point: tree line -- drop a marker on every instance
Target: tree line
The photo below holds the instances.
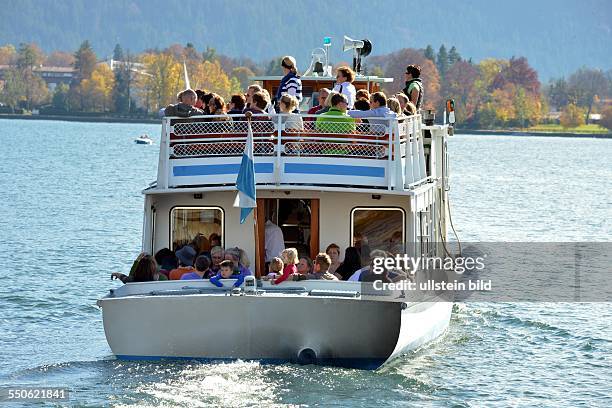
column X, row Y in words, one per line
column 493, row 93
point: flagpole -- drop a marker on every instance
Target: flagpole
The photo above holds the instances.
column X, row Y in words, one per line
column 258, row 272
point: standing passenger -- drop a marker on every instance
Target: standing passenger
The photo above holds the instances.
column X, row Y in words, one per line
column 290, row 83
column 414, row 85
column 344, row 85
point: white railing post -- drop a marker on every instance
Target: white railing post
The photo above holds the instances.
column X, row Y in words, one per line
column 279, row 146
column 416, row 171
column 164, row 155
column 399, row 174
column 409, row 162
column 422, row 168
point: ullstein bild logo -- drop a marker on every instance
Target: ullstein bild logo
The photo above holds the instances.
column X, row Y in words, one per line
column 500, row 272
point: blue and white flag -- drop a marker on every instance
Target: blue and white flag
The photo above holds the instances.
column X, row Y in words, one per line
column 245, row 183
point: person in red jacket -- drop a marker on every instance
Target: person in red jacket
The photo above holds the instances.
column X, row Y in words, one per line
column 290, row 259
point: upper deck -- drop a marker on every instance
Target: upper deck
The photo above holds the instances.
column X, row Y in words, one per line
column 385, row 154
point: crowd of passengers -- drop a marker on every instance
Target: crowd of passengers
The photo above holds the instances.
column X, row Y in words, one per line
column 205, row 258
column 339, row 108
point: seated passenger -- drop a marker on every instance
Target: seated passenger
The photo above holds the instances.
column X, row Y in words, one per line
column 202, row 266
column 326, row 103
column 290, row 259
column 166, row 261
column 185, row 255
column 362, row 105
column 216, row 106
column 351, row 263
column 214, row 239
column 200, row 101
column 394, row 105
column 336, row 120
column 236, row 104
column 333, row 251
column 321, row 267
column 235, row 255
column 288, row 104
column 305, row 266
column 344, row 85
column 217, row 255
column 410, row 109
column 185, row 108
column 259, row 103
column 145, row 271
column 323, row 94
column 275, row 269
column 200, row 243
column 378, row 109
column 363, row 94
column 227, row 272
column 251, row 90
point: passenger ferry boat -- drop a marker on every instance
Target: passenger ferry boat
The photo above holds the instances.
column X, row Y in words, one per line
column 380, row 181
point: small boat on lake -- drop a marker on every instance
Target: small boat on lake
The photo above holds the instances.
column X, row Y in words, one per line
column 384, row 181
column 143, row 139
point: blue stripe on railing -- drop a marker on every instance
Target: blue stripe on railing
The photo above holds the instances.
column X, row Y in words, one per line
column 335, row 170
column 217, row 169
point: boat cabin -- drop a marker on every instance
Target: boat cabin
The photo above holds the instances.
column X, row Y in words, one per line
column 373, row 186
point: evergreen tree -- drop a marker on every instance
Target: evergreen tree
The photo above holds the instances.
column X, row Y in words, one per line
column 442, row 60
column 85, row 61
column 60, row 98
column 429, row 53
column 118, row 53
column 453, row 56
column 122, row 87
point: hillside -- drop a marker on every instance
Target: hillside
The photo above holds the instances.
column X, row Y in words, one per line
column 557, row 36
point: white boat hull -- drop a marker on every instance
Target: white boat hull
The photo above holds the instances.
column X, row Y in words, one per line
column 346, row 332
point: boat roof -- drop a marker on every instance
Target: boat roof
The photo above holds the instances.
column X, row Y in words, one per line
column 358, row 78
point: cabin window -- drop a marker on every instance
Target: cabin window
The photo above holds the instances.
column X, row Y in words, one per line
column 379, row 228
column 187, row 222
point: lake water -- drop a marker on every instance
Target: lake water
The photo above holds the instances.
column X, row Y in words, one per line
column 71, row 213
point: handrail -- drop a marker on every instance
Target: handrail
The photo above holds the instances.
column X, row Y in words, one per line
column 398, row 141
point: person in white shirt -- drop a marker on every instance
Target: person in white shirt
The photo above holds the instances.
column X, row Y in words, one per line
column 274, row 241
column 344, row 84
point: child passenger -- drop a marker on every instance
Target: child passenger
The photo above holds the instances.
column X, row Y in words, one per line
column 275, row 269
column 226, row 271
column 290, row 259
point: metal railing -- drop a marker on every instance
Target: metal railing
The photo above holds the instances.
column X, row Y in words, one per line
column 399, row 141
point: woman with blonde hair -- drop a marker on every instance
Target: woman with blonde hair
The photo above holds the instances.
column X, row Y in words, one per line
column 288, row 104
column 290, row 259
column 290, row 83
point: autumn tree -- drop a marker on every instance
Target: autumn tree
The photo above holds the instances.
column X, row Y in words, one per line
column 584, row 85
column 161, row 80
column 519, row 73
column 21, row 83
column 209, row 75
column 97, row 90
column 572, row 116
column 459, row 85
column 606, row 118
column 242, row 74
column 8, row 54
column 60, row 59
